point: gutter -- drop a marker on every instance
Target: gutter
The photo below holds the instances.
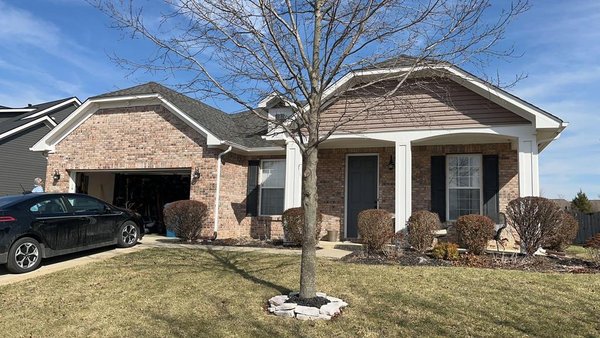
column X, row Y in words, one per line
column 218, row 192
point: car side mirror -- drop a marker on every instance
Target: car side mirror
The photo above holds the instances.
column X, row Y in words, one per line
column 107, row 210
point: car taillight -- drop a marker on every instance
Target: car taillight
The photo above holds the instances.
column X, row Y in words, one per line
column 7, row 219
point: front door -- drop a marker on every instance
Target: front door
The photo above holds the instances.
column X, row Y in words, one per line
column 362, row 189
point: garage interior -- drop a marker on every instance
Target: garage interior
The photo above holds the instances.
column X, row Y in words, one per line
column 145, row 192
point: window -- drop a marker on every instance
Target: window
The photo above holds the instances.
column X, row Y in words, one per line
column 272, row 182
column 82, row 204
column 464, row 185
column 49, row 206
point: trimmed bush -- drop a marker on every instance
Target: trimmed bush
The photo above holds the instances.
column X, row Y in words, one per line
column 564, row 234
column 593, row 247
column 421, row 226
column 186, row 218
column 474, row 232
column 293, row 225
column 535, row 219
column 375, row 229
column 445, row 250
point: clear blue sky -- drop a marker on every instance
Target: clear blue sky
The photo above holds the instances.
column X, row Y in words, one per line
column 57, row 48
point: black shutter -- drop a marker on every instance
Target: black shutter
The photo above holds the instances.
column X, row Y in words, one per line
column 438, row 186
column 491, row 186
column 252, row 189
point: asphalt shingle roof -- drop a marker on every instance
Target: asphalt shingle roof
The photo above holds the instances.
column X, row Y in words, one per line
column 241, row 128
column 22, row 119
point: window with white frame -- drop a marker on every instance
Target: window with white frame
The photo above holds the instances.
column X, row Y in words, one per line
column 463, row 185
column 272, row 183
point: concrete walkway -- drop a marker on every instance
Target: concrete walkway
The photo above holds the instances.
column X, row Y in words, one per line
column 333, row 250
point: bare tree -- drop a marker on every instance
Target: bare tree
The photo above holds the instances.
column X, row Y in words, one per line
column 245, row 49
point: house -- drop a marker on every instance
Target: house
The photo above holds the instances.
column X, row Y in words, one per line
column 447, row 142
column 20, row 129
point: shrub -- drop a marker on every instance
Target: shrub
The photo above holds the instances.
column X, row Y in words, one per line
column 375, row 229
column 474, row 232
column 564, row 234
column 421, row 226
column 293, row 225
column 593, row 247
column 535, row 219
column 445, row 250
column 186, row 218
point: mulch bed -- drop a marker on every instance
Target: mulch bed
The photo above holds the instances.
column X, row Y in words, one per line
column 252, row 243
column 312, row 302
column 551, row 263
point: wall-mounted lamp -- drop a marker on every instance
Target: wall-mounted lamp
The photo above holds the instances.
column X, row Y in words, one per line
column 56, row 175
column 196, row 173
column 391, row 164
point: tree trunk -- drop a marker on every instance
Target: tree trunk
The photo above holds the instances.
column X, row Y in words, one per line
column 308, row 282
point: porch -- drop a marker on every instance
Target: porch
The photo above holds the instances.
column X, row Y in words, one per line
column 403, row 172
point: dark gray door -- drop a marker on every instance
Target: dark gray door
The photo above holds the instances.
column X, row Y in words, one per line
column 362, row 190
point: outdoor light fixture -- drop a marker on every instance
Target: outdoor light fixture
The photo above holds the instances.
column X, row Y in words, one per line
column 56, row 175
column 196, row 173
column 391, row 165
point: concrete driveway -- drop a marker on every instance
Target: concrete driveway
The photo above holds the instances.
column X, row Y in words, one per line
column 333, row 250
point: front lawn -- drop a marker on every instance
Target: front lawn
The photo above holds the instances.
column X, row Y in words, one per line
column 188, row 292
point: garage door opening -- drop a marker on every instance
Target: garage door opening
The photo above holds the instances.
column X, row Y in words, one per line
column 143, row 192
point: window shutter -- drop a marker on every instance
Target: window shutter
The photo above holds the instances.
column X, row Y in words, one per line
column 438, row 186
column 491, row 186
column 252, row 189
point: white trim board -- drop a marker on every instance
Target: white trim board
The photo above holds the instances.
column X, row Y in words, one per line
column 91, row 106
column 49, row 109
column 45, row 119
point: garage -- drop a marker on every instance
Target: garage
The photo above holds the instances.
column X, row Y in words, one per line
column 145, row 192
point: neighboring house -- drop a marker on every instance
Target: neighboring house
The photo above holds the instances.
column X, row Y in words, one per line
column 20, row 129
column 449, row 142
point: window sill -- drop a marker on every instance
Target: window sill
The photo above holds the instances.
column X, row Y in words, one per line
column 268, row 218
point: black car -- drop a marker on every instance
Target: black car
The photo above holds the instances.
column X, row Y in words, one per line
column 37, row 226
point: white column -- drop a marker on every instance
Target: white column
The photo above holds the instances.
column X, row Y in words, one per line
column 403, row 178
column 529, row 179
column 293, row 176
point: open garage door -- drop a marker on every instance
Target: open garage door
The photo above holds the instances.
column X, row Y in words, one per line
column 145, row 192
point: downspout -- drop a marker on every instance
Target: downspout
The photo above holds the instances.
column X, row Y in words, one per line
column 218, row 192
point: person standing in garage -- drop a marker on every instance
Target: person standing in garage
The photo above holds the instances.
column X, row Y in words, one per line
column 37, row 185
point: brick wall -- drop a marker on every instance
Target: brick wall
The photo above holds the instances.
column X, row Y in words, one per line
column 151, row 137
column 421, row 168
column 331, row 171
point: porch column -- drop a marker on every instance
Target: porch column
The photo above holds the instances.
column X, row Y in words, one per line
column 293, row 176
column 529, row 179
column 403, row 185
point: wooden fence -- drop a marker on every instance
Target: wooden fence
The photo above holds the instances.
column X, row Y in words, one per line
column 589, row 225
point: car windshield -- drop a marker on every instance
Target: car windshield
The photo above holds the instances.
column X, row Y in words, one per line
column 6, row 200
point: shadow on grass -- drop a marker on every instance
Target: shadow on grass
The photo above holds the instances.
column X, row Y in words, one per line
column 225, row 259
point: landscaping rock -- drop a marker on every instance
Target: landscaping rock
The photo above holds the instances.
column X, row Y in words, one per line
column 284, row 313
column 305, row 317
column 322, row 307
column 307, row 311
column 330, row 309
column 324, row 317
column 278, row 300
column 286, row 306
column 422, row 260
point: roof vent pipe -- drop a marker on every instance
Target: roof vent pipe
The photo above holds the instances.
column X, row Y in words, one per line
column 218, row 191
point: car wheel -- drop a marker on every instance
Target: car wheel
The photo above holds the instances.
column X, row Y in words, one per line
column 128, row 235
column 25, row 255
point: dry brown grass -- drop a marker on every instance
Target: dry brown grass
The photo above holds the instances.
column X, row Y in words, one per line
column 188, row 292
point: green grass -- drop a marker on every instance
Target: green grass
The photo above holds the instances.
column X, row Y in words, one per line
column 181, row 292
column 577, row 251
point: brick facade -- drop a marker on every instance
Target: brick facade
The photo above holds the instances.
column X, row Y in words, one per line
column 151, row 137
column 421, row 169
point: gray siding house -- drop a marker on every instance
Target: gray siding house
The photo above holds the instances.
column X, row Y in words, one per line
column 20, row 129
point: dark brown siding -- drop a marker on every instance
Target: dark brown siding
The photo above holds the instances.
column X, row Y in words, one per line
column 421, row 104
